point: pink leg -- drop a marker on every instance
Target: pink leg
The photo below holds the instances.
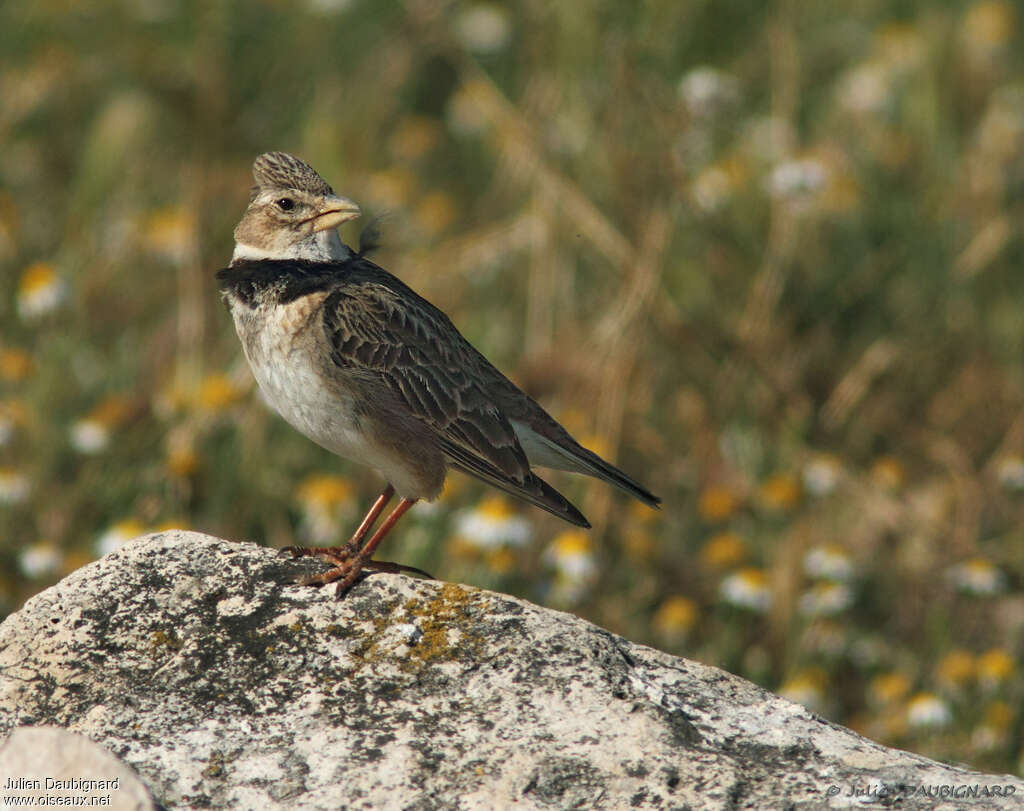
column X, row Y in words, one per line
column 349, row 571
column 339, row 554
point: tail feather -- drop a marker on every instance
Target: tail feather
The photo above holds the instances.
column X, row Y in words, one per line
column 565, row 453
column 536, row 491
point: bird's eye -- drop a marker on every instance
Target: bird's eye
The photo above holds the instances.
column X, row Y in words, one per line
column 285, row 204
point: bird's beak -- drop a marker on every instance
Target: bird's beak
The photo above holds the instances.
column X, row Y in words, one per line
column 333, row 212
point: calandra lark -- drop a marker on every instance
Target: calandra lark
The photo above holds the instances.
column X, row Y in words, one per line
column 363, row 366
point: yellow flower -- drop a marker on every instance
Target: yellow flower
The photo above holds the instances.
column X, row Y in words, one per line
column 501, row 559
column 995, row 667
column 171, row 523
column 747, row 588
column 989, row 25
column 15, row 364
column 723, row 551
column 888, row 473
column 435, row 212
column 888, row 688
column 639, row 513
column 639, row 544
column 806, row 687
column 597, row 443
column 674, row 618
column 182, row 460
column 170, row 233
column 956, row 669
column 391, row 188
column 717, row 503
column 780, row 492
column 218, row 392
column 414, row 137
column 999, row 715
column 324, row 490
column 40, row 290
column 326, row 500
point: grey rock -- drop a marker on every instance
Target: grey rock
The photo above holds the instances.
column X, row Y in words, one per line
column 50, row 762
column 199, row 663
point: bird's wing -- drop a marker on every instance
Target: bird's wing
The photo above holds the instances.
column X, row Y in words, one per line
column 376, row 326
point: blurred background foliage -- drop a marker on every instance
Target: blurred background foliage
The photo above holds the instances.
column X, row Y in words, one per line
column 764, row 255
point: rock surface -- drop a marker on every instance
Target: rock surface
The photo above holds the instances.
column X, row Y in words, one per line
column 199, row 663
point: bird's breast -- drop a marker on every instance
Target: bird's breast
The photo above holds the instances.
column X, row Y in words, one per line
column 290, row 359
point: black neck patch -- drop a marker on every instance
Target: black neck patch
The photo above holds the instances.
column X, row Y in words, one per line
column 259, row 280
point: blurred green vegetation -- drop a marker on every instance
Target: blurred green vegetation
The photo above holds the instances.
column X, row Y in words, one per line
column 765, row 256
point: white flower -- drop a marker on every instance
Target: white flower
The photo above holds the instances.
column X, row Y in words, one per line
column 927, row 710
column 118, row 535
column 977, row 577
column 711, row 189
column 821, row 474
column 90, row 436
column 40, row 291
column 826, row 599
column 747, row 588
column 705, row 90
column 796, row 179
column 483, row 28
column 14, row 487
column 40, row 559
column 1010, row 471
column 465, row 114
column 828, row 562
column 865, row 89
column 492, row 524
column 571, row 556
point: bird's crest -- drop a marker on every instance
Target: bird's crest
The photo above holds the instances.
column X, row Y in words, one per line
column 283, row 171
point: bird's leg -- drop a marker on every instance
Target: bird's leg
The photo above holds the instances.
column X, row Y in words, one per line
column 339, row 554
column 349, row 571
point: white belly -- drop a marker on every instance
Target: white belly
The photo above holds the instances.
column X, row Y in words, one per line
column 289, row 369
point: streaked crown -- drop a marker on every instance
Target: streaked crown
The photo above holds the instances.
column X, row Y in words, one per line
column 279, row 170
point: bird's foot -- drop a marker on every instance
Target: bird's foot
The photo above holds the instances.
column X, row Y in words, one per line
column 349, row 566
column 338, row 555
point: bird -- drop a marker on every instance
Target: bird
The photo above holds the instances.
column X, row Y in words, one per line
column 363, row 366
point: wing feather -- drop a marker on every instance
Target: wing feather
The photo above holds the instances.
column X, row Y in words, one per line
column 385, row 330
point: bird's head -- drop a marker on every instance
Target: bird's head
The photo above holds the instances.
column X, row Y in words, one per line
column 292, row 213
